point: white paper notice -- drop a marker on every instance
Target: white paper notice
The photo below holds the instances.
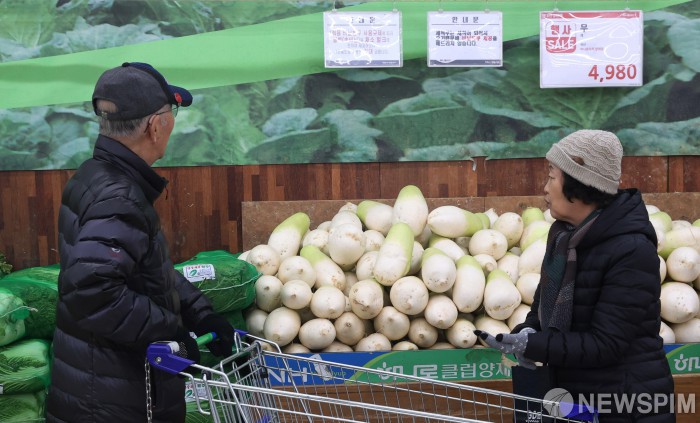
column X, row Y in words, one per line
column 591, row 49
column 465, row 39
column 362, row 39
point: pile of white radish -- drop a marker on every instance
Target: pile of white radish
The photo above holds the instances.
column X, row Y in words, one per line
column 380, row 277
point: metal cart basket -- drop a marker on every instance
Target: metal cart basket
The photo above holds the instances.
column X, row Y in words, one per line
column 238, row 389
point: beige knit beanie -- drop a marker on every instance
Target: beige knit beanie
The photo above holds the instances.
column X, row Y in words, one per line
column 601, row 153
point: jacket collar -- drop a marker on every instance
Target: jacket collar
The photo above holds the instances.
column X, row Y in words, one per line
column 116, row 153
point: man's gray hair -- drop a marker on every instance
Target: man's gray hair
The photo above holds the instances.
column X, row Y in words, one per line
column 119, row 128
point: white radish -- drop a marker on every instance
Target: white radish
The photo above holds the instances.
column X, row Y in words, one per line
column 392, row 323
column 296, row 294
column 286, row 237
column 367, row 298
column 375, row 215
column 683, row 264
column 394, row 260
column 679, row 302
column 441, row 312
column 687, row 332
column 295, row 348
column 416, row 258
column 373, row 342
column 297, row 268
column 411, row 208
column 409, row 295
column 666, row 333
column 532, row 214
column 501, row 297
column 349, row 328
column 532, row 257
column 661, row 221
column 255, row 321
column 265, row 258
column 492, row 215
column 453, row 222
column 511, row 226
column 663, row 271
column 447, row 246
column 536, row 230
column 468, row 289
column 351, row 207
column 282, row 326
column 404, row 346
column 548, row 216
column 518, row 316
column 328, row 273
column 486, row 262
column 461, row 333
column 344, row 217
column 442, row 346
column 509, row 264
column 318, row 238
column 488, row 241
column 350, row 280
column 327, row 302
column 317, row 334
column 373, row 240
column 268, row 291
column 682, row 237
column 438, row 270
column 336, row 346
column 492, row 326
column 422, row 333
column 527, row 286
column 346, row 244
column 364, row 269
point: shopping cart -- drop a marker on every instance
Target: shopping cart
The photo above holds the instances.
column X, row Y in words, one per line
column 238, row 389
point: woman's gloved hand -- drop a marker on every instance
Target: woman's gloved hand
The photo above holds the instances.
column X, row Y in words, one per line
column 223, row 344
column 508, row 344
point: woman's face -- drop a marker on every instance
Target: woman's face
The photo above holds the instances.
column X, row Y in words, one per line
column 560, row 207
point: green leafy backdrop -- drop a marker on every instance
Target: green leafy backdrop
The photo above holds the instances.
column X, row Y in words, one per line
column 263, row 96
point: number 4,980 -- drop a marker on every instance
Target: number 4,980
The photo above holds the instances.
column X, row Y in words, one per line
column 612, row 71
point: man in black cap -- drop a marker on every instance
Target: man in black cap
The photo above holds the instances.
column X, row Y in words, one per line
column 118, row 289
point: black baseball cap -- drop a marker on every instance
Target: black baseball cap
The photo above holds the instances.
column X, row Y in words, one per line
column 138, row 90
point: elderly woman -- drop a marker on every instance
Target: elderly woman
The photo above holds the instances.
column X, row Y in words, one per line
column 595, row 317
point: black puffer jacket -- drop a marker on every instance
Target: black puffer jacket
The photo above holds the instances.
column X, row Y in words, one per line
column 614, row 345
column 118, row 292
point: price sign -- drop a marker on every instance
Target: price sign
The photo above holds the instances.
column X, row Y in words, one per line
column 362, row 39
column 591, row 49
column 472, row 39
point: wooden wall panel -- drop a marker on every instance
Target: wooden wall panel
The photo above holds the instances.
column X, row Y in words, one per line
column 202, row 207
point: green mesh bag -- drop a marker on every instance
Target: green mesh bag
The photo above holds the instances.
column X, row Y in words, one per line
column 228, row 282
column 24, row 366
column 37, row 287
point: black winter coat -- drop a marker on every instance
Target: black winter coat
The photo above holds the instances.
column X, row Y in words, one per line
column 613, row 346
column 118, row 292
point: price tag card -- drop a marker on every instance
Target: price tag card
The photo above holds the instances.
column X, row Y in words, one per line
column 362, row 39
column 473, row 39
column 591, row 49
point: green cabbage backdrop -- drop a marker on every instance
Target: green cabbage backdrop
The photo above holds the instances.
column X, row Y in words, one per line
column 262, row 94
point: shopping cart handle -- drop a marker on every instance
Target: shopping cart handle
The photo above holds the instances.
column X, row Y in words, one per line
column 208, row 337
column 161, row 355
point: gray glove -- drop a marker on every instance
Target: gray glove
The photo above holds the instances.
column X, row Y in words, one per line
column 522, row 361
column 507, row 343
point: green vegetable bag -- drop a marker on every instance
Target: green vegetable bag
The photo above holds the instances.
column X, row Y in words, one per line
column 24, row 367
column 13, row 312
column 37, row 287
column 227, row 281
column 22, row 408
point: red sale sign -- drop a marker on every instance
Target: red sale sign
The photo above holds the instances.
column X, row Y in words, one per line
column 591, row 49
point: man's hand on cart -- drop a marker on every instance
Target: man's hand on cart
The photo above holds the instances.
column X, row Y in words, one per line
column 222, row 345
column 509, row 344
column 188, row 345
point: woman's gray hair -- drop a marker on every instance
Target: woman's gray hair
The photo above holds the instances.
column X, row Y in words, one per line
column 119, row 128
